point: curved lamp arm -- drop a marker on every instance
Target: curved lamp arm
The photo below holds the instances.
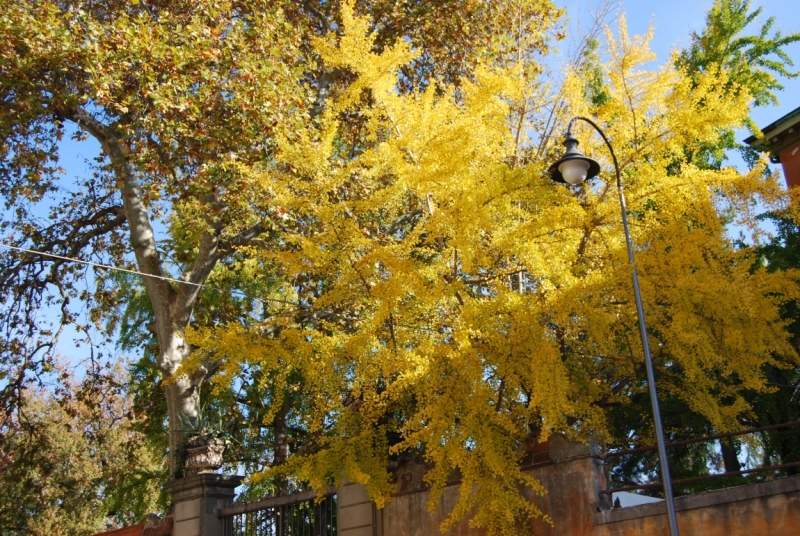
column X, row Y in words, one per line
column 651, row 378
column 622, row 202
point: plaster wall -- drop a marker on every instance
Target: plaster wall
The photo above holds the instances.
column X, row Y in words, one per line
column 769, row 508
column 573, row 476
column 566, row 469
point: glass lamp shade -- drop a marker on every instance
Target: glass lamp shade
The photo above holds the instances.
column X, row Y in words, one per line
column 573, row 167
column 574, row 170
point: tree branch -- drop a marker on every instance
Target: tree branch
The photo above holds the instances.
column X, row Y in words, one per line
column 141, row 230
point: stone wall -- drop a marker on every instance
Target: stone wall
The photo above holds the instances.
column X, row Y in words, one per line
column 356, row 512
column 197, row 501
column 567, row 470
column 572, row 473
column 768, row 508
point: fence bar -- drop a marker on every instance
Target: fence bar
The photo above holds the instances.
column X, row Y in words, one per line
column 658, row 485
column 272, row 502
column 291, row 515
column 701, row 439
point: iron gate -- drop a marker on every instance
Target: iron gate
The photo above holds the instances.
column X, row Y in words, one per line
column 290, row 515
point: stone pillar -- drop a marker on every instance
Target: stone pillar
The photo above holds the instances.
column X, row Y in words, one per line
column 196, row 501
column 356, row 513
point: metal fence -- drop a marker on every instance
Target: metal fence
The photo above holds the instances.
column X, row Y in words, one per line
column 298, row 514
column 727, row 474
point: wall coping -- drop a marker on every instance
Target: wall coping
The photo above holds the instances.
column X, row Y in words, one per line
column 202, row 484
column 702, row 500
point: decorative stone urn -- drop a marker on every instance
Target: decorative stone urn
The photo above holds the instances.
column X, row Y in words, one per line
column 204, row 455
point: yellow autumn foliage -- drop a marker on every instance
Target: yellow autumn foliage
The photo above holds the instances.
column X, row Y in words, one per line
column 463, row 304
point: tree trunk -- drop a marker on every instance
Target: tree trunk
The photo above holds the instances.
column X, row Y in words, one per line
column 172, row 307
column 183, row 397
column 730, row 455
column 281, row 443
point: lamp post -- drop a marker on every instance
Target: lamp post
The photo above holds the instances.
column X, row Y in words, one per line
column 573, row 168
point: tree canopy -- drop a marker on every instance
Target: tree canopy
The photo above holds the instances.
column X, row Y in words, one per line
column 344, row 221
column 427, row 343
column 184, row 98
column 71, row 461
column 753, row 62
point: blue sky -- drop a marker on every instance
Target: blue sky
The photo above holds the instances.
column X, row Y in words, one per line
column 675, row 20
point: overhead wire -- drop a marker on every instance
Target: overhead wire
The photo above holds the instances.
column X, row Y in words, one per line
column 142, row 274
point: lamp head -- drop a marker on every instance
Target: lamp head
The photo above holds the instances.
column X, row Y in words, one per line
column 573, row 168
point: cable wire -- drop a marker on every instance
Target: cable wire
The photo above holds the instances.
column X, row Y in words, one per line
column 135, row 272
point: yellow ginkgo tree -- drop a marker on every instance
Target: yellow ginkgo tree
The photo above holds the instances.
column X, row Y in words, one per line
column 183, row 103
column 454, row 304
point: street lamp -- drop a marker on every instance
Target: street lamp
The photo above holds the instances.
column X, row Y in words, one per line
column 574, row 168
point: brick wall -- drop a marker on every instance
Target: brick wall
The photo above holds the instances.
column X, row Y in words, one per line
column 572, row 473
